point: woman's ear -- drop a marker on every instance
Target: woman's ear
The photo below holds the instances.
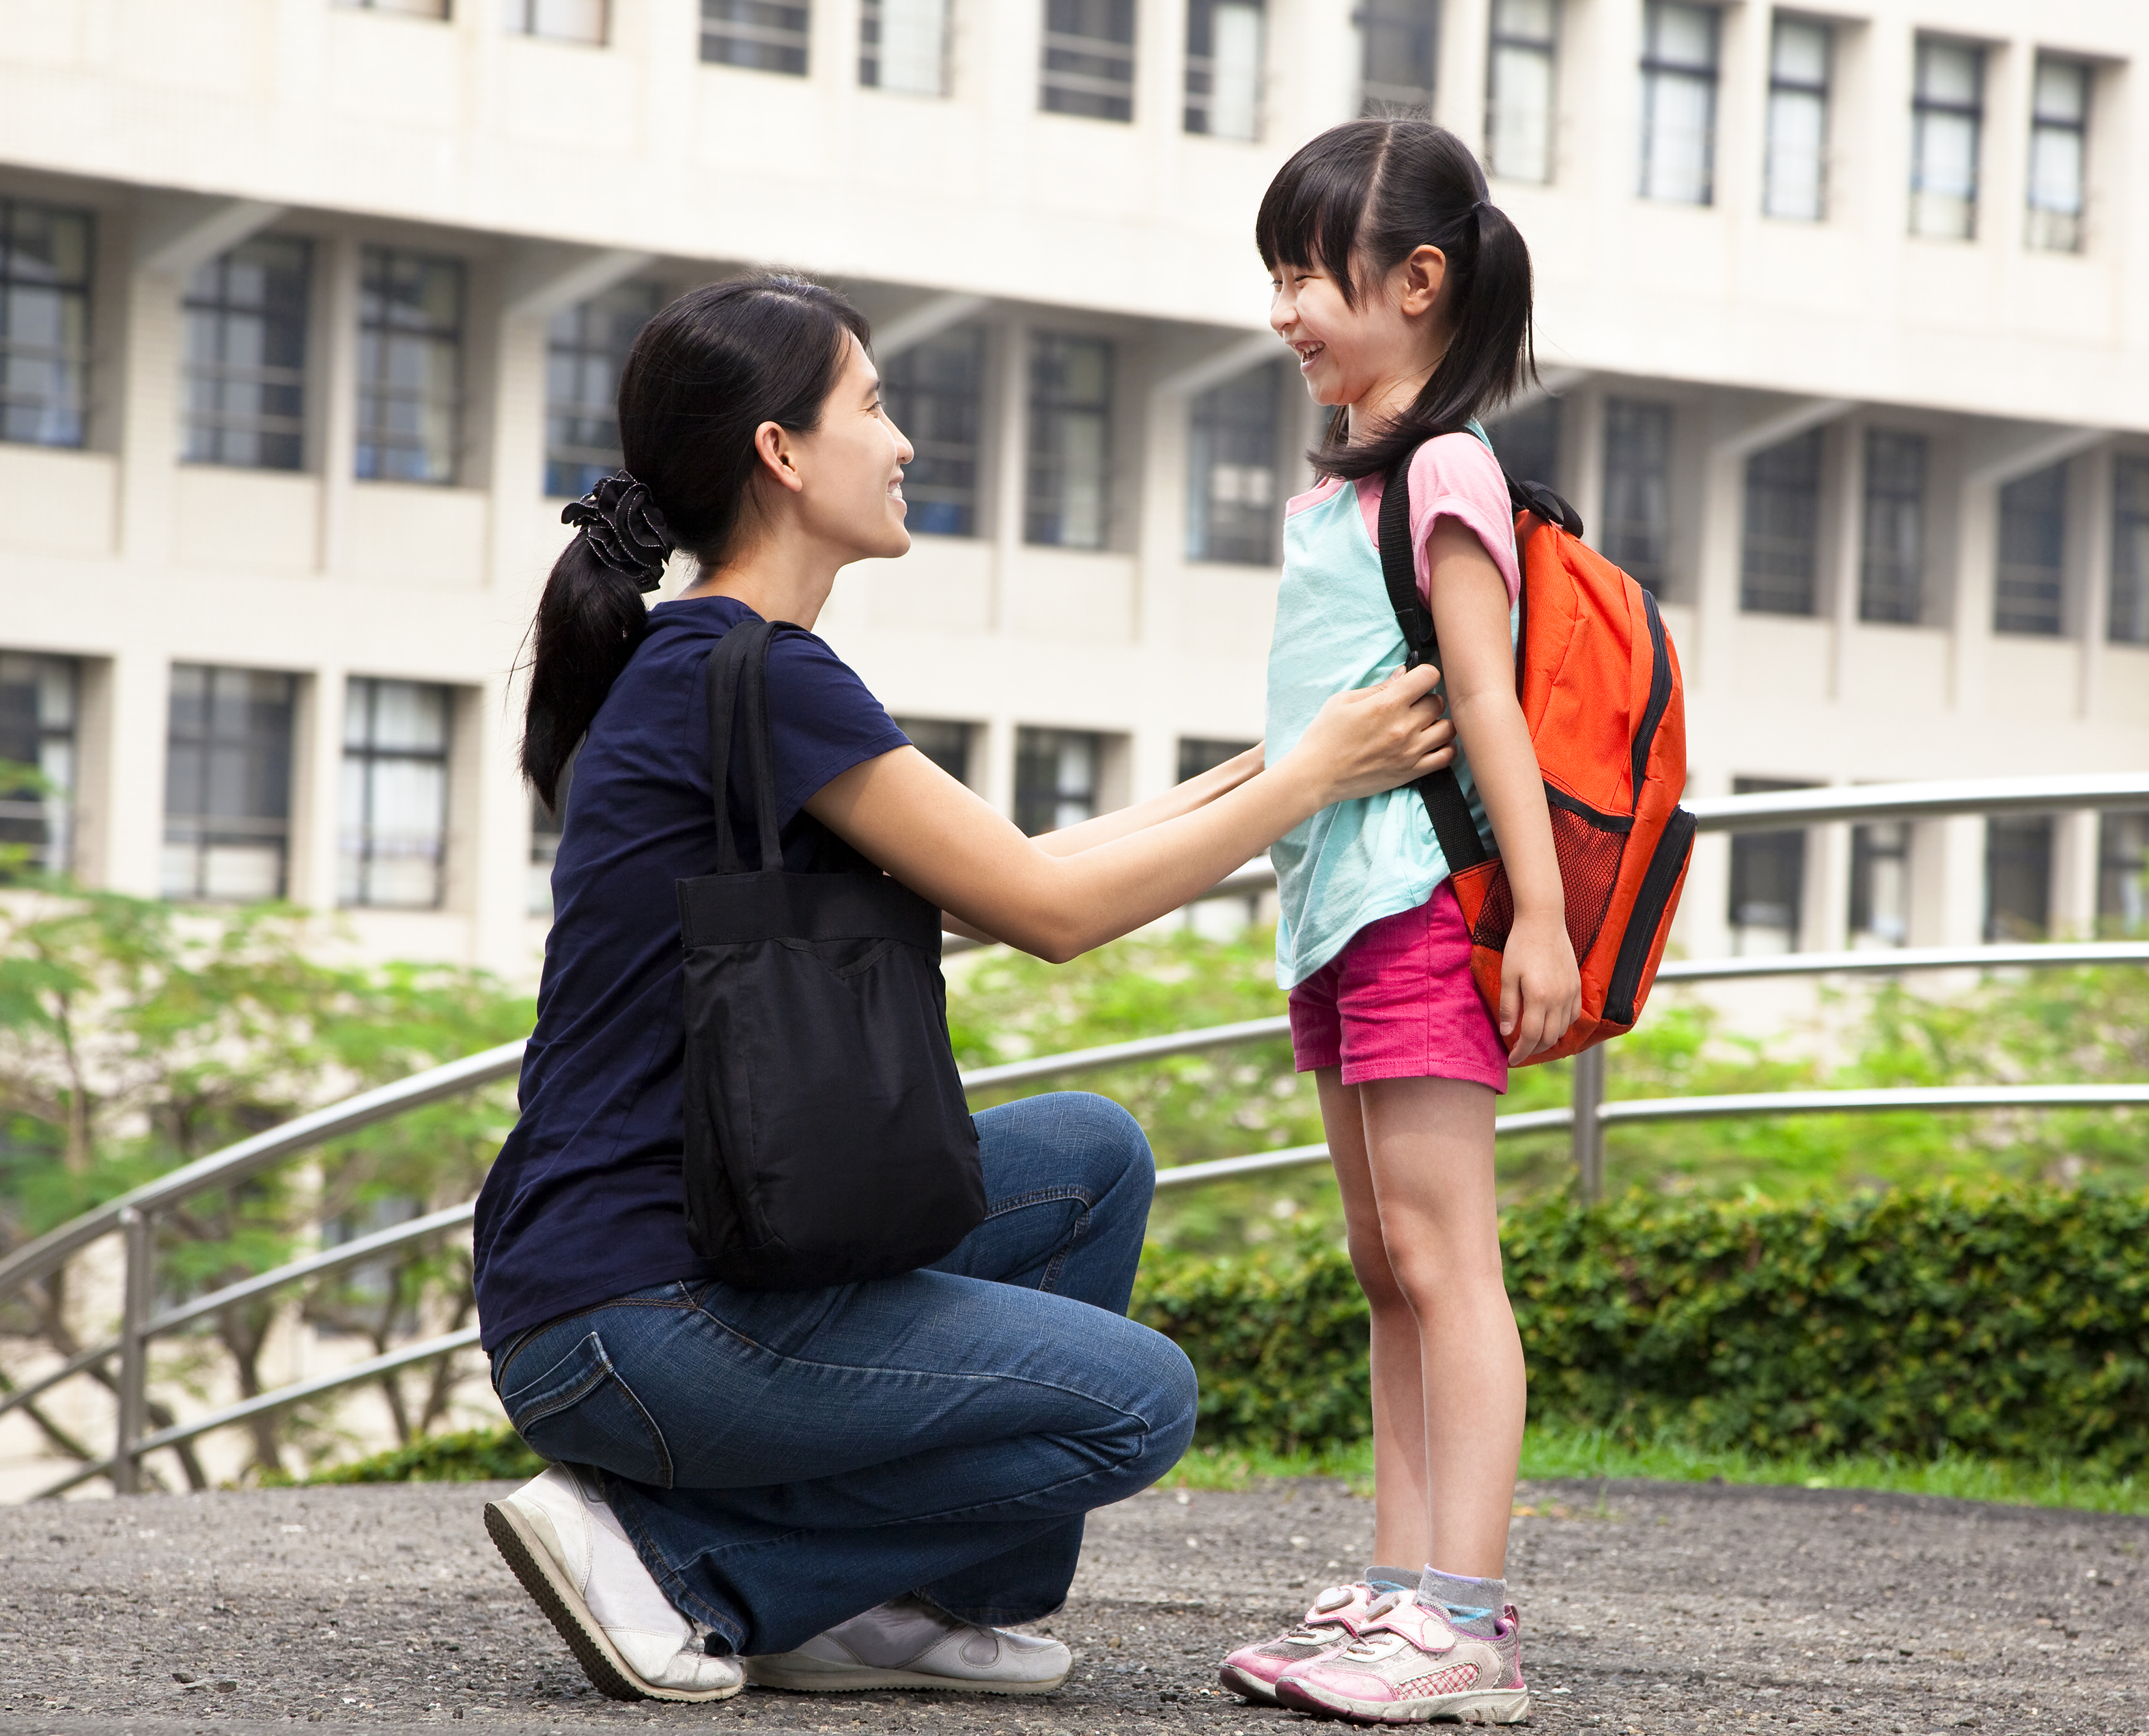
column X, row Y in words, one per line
column 772, row 446
column 1422, row 273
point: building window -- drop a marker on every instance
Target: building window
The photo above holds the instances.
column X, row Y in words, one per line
column 757, row 34
column 1891, row 566
column 1234, row 434
column 40, row 699
column 1880, row 884
column 1198, row 754
column 410, row 8
column 410, row 366
column 567, row 21
column 1638, row 462
column 2122, row 871
column 1225, row 41
column 2059, row 154
column 1055, row 777
column 585, row 349
column 246, row 318
column 1070, row 408
column 228, row 784
column 1782, row 528
column 935, row 394
column 2030, row 587
column 2126, row 623
column 902, row 45
column 1796, row 184
column 1679, row 101
column 1947, row 113
column 1768, row 879
column 1399, row 56
column 44, row 322
column 546, row 826
column 1527, row 442
column 946, row 745
column 1518, row 90
column 2018, row 878
column 395, row 793
column 1090, row 58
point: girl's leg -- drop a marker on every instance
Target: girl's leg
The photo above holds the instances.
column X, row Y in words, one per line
column 1402, row 1497
column 1429, row 1146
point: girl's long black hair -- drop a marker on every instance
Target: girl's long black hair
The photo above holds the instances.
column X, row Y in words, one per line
column 706, row 372
column 1356, row 202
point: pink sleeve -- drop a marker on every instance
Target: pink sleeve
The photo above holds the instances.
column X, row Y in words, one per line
column 1456, row 476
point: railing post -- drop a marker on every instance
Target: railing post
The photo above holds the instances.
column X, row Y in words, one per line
column 139, row 1289
column 1588, row 1136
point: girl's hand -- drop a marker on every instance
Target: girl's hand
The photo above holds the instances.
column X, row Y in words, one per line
column 1540, row 985
column 1367, row 740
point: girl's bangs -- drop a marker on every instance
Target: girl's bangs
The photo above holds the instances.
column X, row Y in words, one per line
column 1312, row 212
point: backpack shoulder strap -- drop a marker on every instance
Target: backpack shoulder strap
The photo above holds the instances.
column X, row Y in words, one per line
column 1445, row 804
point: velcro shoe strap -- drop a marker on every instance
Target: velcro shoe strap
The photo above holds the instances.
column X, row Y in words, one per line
column 1424, row 1628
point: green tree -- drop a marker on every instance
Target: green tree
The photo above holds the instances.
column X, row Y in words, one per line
column 136, row 1037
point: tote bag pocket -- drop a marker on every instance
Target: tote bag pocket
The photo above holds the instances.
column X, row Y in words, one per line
column 826, row 1138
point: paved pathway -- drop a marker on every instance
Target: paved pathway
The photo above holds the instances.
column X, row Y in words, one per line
column 1647, row 1608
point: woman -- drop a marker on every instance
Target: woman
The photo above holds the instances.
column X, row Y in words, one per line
column 855, row 1487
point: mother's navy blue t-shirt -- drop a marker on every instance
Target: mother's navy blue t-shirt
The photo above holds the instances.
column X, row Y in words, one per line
column 584, row 1202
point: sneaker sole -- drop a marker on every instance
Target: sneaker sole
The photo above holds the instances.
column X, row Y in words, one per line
column 812, row 1675
column 1492, row 1706
column 610, row 1674
column 1247, row 1687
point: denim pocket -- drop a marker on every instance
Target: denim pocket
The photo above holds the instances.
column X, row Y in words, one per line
column 581, row 1411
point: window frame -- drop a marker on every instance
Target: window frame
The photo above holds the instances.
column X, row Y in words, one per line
column 200, row 831
column 529, row 12
column 2035, row 607
column 1211, row 417
column 376, row 390
column 362, row 758
column 1042, row 460
column 949, row 742
column 1752, row 853
column 1656, row 70
column 1501, row 41
column 749, row 38
column 1923, row 105
column 52, row 809
column 1201, row 69
column 1066, row 87
column 1781, row 86
column 1422, row 21
column 918, row 406
column 2122, row 871
column 217, row 305
column 2127, row 600
column 588, row 461
column 1783, row 482
column 2043, row 126
column 69, row 361
column 1869, row 849
column 1874, row 588
column 1650, row 569
column 2037, row 862
column 1032, row 745
column 872, row 20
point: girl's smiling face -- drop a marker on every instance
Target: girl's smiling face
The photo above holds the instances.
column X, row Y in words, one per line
column 1370, row 357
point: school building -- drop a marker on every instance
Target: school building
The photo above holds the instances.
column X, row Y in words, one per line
column 310, row 312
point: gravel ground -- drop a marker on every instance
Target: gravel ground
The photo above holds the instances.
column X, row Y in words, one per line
column 1646, row 1608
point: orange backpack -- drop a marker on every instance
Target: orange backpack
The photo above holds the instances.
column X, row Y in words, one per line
column 1599, row 686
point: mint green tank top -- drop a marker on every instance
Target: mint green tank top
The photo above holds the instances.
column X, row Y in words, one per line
column 1357, row 862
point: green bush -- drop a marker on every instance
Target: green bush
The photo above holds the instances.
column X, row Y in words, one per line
column 2009, row 1324
column 474, row 1455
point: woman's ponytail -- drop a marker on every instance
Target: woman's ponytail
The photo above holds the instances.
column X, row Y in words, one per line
column 704, row 374
column 1359, row 201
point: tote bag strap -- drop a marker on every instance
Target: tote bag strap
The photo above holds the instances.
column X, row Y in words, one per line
column 737, row 671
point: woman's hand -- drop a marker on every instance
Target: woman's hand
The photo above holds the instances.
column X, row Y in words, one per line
column 1540, row 986
column 1367, row 740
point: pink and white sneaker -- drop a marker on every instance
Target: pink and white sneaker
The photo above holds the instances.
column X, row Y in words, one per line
column 1408, row 1665
column 1334, row 1621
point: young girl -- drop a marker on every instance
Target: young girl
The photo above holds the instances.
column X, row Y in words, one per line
column 1406, row 295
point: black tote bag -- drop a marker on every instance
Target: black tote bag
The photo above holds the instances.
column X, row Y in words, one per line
column 827, row 1140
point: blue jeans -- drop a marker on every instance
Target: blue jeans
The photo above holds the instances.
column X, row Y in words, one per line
column 786, row 1459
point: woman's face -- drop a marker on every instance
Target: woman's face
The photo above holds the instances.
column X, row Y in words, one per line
column 851, row 468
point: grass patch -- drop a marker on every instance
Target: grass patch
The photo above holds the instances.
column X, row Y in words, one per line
column 1558, row 1450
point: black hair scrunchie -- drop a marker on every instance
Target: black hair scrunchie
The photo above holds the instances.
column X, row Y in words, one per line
column 624, row 529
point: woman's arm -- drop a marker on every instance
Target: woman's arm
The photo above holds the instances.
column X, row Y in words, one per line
column 1540, row 987
column 945, row 843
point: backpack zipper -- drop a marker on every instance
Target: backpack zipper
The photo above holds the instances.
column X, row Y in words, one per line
column 1666, row 861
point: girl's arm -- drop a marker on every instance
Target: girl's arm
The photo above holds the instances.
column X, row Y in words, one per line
column 945, row 843
column 1540, row 986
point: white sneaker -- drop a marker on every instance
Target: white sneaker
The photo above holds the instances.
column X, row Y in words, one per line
column 906, row 1643
column 571, row 1554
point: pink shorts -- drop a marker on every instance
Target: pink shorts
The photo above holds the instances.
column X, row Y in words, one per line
column 1398, row 1002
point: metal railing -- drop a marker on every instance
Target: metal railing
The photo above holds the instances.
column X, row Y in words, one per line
column 133, row 1215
